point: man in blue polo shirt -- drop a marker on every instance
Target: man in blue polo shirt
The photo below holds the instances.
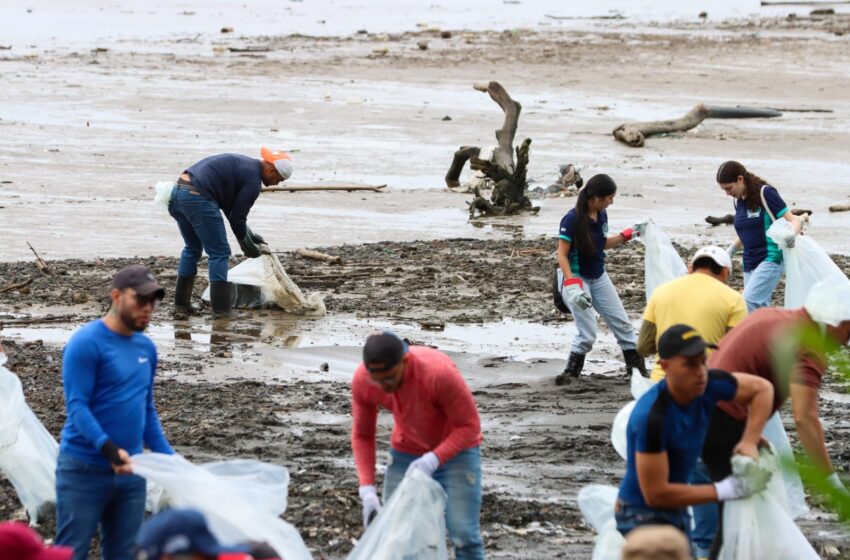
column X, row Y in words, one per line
column 228, row 183
column 667, row 429
column 108, row 368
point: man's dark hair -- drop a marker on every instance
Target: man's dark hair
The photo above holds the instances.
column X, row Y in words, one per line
column 709, row 263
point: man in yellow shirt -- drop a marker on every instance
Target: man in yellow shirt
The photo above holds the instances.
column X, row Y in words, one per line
column 703, row 300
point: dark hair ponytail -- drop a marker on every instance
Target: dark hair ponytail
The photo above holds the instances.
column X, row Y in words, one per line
column 729, row 171
column 599, row 185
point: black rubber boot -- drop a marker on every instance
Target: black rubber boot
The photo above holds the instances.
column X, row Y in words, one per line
column 221, row 298
column 575, row 363
column 183, row 296
column 634, row 361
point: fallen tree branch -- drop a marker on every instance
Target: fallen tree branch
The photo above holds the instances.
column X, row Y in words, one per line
column 633, row 134
column 15, row 286
column 40, row 263
column 317, row 256
column 840, row 208
column 340, row 187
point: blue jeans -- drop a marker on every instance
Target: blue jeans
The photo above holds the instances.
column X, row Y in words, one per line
column 607, row 303
column 90, row 495
column 631, row 517
column 202, row 228
column 460, row 477
column 705, row 515
column 760, row 283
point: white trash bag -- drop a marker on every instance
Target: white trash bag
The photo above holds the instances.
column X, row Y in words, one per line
column 775, row 433
column 759, row 527
column 411, row 526
column 662, row 262
column 596, row 503
column 805, row 264
column 639, row 386
column 28, row 452
column 231, row 513
column 162, row 192
column 271, row 287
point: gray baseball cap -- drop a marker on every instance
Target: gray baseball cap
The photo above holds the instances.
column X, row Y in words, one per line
column 140, row 278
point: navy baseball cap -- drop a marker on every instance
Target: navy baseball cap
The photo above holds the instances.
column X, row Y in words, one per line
column 681, row 340
column 179, row 531
column 385, row 349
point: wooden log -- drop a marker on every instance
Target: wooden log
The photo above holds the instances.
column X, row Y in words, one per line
column 317, row 256
column 633, row 134
column 15, row 286
column 462, row 155
column 40, row 263
column 339, row 187
column 728, row 219
column 840, row 208
column 504, row 154
column 742, row 113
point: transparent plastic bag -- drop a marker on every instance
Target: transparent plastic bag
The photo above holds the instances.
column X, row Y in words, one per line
column 805, row 264
column 596, row 503
column 775, row 433
column 232, row 515
column 759, row 527
column 639, row 386
column 411, row 526
column 661, row 261
column 263, row 282
column 28, row 452
column 162, row 192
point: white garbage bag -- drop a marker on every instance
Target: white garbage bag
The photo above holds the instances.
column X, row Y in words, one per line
column 775, row 433
column 596, row 502
column 28, row 452
column 639, row 386
column 759, row 527
column 274, row 287
column 661, row 261
column 232, row 515
column 411, row 526
column 805, row 264
column 264, row 485
column 162, row 192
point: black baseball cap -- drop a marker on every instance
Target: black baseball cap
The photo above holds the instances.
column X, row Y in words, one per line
column 140, row 278
column 681, row 340
column 384, row 348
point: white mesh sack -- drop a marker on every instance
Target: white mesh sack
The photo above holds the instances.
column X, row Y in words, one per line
column 232, row 515
column 411, row 526
column 28, row 452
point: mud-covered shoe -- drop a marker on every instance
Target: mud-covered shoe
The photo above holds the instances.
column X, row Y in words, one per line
column 575, row 363
column 183, row 297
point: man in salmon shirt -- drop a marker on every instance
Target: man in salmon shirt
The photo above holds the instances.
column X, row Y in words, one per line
column 436, row 430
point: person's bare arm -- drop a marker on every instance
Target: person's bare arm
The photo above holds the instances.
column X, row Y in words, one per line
column 755, row 393
column 804, row 406
column 653, row 472
column 563, row 258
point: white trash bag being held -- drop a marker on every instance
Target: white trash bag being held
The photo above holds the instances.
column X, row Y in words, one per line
column 411, row 526
column 639, row 386
column 662, row 262
column 760, row 527
column 230, row 511
column 596, row 502
column 162, row 192
column 28, row 452
column 775, row 433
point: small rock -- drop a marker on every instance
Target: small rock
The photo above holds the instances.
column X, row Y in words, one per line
column 423, row 45
column 227, row 30
column 703, row 15
column 362, row 32
column 446, row 34
column 830, row 551
column 446, row 118
column 324, row 367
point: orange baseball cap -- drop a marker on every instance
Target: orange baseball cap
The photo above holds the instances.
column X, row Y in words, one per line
column 281, row 160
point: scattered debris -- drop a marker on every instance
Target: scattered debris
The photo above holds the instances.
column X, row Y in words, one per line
column 227, row 30
column 318, row 256
column 423, row 45
column 40, row 263
column 840, row 208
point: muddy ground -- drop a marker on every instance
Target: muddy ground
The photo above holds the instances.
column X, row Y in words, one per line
column 542, row 442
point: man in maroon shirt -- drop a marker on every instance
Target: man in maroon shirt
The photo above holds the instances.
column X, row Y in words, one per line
column 436, row 429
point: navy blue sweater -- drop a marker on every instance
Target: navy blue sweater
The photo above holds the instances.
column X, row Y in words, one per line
column 108, row 382
column 234, row 182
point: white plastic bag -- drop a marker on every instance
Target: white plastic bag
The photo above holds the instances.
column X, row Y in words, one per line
column 232, row 515
column 639, row 386
column 805, row 264
column 411, row 526
column 759, row 527
column 28, row 452
column 264, row 485
column 775, row 433
column 162, row 192
column 661, row 261
column 596, row 503
column 275, row 287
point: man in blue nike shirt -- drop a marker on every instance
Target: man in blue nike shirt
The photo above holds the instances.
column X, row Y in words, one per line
column 107, row 371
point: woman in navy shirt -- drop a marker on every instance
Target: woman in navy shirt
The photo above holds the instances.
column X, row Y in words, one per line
column 757, row 206
column 585, row 286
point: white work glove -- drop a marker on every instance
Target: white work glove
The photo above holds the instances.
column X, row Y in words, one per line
column 790, row 240
column 748, row 479
column 640, row 228
column 427, row 463
column 576, row 296
column 371, row 503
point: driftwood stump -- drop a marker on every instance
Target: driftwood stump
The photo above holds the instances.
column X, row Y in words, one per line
column 509, row 193
column 633, row 134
